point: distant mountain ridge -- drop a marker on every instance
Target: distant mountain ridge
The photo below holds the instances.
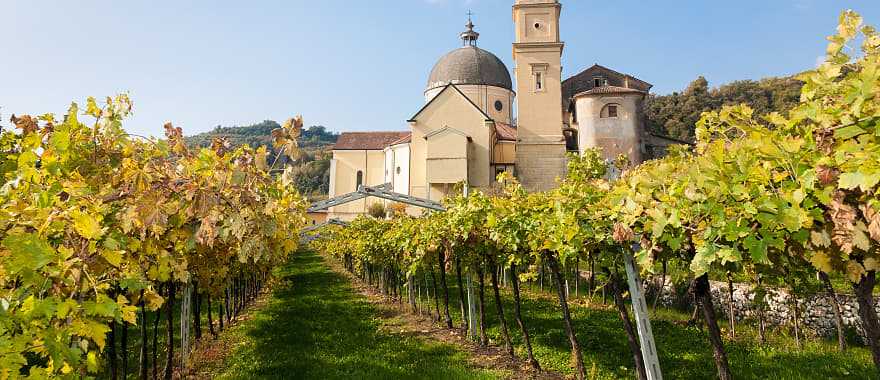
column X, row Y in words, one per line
column 260, row 134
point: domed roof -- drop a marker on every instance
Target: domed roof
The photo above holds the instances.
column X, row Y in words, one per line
column 470, row 65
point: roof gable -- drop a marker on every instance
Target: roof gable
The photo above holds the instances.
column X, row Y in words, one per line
column 609, row 90
column 583, row 81
column 448, row 88
column 403, row 140
column 446, row 130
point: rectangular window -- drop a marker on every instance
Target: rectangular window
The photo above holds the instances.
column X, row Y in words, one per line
column 612, row 111
column 599, row 82
column 539, row 81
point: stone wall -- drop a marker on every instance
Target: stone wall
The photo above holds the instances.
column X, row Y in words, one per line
column 816, row 312
column 539, row 165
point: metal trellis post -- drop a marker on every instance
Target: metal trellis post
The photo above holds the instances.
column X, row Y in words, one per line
column 643, row 322
column 472, row 308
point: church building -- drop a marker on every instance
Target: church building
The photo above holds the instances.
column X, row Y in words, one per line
column 467, row 131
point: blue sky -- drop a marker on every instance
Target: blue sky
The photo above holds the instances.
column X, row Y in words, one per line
column 355, row 65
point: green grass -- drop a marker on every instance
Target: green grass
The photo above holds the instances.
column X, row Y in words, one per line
column 316, row 327
column 685, row 352
column 134, row 337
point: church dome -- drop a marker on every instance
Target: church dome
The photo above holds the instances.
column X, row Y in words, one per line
column 470, row 65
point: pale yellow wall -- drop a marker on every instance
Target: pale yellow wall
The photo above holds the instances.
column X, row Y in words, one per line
column 541, row 146
column 441, row 190
column 347, row 164
column 446, row 170
column 526, row 13
column 447, row 144
column 484, row 97
column 375, row 174
column 451, row 109
column 447, row 157
column 315, row 218
column 505, row 152
column 539, row 116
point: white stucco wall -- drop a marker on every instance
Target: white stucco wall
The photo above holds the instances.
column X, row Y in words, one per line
column 397, row 157
column 389, row 165
column 615, row 135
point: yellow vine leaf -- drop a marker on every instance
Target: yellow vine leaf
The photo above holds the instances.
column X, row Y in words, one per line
column 821, row 261
column 854, row 271
column 872, row 264
column 86, row 225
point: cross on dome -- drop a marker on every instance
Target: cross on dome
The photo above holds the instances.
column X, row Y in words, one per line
column 469, row 37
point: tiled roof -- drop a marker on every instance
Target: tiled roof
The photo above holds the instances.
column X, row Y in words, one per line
column 505, row 132
column 403, row 140
column 610, row 90
column 470, row 65
column 583, row 81
column 368, row 140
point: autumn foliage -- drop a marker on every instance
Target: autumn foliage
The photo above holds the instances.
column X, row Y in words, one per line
column 93, row 220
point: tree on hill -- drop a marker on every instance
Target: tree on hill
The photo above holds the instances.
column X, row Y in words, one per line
column 260, row 134
column 312, row 169
column 676, row 114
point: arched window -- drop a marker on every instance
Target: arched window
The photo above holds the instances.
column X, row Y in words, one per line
column 360, row 179
column 610, row 110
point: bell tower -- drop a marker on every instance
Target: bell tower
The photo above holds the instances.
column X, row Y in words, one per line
column 537, row 51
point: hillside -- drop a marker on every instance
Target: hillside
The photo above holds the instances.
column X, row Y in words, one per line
column 312, row 172
column 676, row 114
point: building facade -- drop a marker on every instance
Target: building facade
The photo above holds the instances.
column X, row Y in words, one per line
column 467, row 130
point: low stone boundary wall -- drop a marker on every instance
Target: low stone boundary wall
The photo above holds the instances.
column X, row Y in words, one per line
column 816, row 312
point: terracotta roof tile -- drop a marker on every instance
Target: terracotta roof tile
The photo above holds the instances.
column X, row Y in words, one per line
column 403, row 140
column 505, row 132
column 583, row 82
column 368, row 140
column 610, row 90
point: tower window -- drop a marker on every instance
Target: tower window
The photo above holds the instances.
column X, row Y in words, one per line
column 360, row 179
column 398, row 170
column 539, row 81
column 499, row 106
column 608, row 111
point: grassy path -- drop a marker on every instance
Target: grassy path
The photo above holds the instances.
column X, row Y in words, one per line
column 316, row 327
column 684, row 350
